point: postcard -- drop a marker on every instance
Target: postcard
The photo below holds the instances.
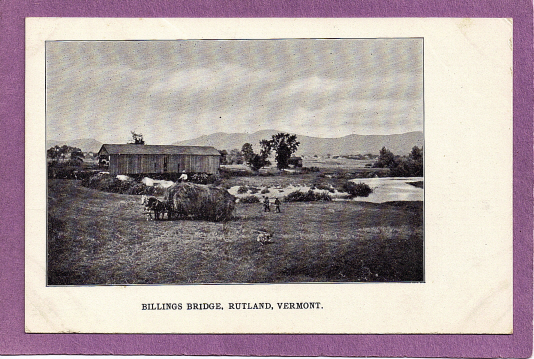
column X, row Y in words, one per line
column 269, row 176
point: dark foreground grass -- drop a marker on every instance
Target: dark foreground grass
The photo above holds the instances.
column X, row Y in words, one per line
column 102, row 238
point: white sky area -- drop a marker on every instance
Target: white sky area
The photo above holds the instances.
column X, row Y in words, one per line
column 177, row 90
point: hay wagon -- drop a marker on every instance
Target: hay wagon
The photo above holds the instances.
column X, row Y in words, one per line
column 192, row 201
column 199, row 202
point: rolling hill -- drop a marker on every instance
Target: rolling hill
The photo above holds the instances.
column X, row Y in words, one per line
column 347, row 145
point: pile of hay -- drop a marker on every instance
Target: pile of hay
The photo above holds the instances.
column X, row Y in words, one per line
column 200, row 201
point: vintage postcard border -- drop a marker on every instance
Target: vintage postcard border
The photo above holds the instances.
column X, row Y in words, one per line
column 450, row 302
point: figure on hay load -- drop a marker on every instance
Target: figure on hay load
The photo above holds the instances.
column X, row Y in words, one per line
column 183, row 177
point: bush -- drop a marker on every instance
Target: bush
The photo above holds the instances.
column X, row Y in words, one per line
column 227, row 173
column 310, row 169
column 242, row 189
column 225, row 185
column 265, row 190
column 418, row 184
column 214, row 179
column 254, row 190
column 249, row 199
column 357, row 189
column 310, row 196
column 109, row 183
column 325, row 187
column 199, row 178
column 140, row 188
column 106, row 183
column 402, row 166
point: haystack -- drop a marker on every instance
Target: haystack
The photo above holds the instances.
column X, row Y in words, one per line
column 200, row 201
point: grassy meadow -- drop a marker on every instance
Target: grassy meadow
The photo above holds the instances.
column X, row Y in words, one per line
column 103, row 238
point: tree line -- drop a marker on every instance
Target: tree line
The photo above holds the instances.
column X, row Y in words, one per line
column 401, row 166
column 283, row 144
column 65, row 154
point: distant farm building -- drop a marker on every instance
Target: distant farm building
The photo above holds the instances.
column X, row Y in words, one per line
column 295, row 161
column 147, row 159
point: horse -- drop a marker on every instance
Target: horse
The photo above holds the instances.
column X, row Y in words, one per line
column 159, row 207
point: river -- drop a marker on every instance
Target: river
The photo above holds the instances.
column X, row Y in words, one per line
column 388, row 189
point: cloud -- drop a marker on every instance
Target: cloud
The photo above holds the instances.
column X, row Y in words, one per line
column 213, row 79
column 183, row 89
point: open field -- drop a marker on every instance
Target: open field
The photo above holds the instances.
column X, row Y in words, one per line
column 336, row 163
column 103, row 238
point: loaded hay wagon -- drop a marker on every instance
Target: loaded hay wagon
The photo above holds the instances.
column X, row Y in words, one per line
column 197, row 201
column 191, row 201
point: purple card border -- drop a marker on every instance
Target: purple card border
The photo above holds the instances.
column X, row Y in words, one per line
column 13, row 340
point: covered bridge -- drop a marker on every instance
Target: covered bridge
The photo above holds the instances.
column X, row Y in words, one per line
column 137, row 159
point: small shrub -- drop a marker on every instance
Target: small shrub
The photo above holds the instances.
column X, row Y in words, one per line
column 140, row 188
column 310, row 196
column 310, row 169
column 214, row 179
column 418, row 184
column 254, row 190
column 249, row 199
column 325, row 187
column 339, row 174
column 357, row 189
column 322, row 197
column 242, row 189
column 62, row 172
column 109, row 183
column 264, row 191
column 234, row 172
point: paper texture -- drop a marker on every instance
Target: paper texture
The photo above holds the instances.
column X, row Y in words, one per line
column 468, row 196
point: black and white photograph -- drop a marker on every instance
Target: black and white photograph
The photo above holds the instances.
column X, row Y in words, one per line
column 240, row 161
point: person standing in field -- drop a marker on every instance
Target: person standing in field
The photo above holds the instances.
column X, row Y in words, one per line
column 266, row 205
column 277, row 205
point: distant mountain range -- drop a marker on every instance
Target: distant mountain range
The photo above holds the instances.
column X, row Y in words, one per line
column 347, row 145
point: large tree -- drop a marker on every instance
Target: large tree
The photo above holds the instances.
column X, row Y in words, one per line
column 224, row 154
column 137, row 138
column 76, row 155
column 402, row 166
column 254, row 160
column 385, row 159
column 234, row 157
column 284, row 145
column 248, row 152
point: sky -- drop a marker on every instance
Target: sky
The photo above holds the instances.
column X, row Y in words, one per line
column 177, row 90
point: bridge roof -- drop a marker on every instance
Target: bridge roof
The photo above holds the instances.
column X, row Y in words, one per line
column 133, row 149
